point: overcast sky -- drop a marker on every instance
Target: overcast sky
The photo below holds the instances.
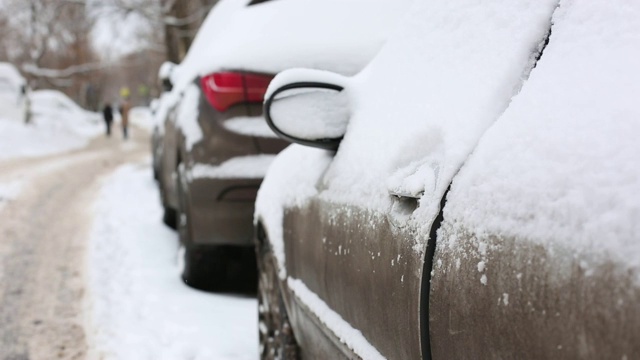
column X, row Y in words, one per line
column 117, row 35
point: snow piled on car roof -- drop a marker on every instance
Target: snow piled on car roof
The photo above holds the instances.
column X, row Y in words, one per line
column 419, row 108
column 561, row 166
column 340, row 35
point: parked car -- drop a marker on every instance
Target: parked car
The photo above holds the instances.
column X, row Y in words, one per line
column 216, row 145
column 475, row 194
column 159, row 108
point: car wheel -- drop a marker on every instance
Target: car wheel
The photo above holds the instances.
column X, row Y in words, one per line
column 276, row 335
column 204, row 268
column 169, row 217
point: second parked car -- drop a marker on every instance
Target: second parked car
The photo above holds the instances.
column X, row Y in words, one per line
column 216, row 144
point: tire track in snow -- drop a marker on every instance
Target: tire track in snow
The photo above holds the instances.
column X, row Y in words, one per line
column 43, row 234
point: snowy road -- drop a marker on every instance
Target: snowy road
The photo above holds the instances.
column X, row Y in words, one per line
column 88, row 271
column 44, row 231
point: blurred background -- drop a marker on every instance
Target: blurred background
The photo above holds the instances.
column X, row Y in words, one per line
column 94, row 50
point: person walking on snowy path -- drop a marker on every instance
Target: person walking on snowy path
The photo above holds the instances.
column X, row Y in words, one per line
column 124, row 113
column 108, row 117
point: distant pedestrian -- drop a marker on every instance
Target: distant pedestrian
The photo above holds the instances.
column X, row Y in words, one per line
column 108, row 117
column 124, row 114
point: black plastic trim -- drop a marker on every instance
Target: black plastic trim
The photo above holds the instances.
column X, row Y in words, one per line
column 230, row 189
column 425, row 338
column 328, row 143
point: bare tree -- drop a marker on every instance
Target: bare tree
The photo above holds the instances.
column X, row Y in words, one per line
column 177, row 20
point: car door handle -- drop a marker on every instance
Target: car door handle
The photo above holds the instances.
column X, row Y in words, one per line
column 403, row 205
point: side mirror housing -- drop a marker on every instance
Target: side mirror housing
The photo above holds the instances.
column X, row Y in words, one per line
column 308, row 107
column 164, row 75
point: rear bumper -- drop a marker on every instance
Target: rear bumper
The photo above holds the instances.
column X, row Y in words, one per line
column 221, row 211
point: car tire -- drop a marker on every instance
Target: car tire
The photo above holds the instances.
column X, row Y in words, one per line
column 204, row 268
column 277, row 340
column 169, row 217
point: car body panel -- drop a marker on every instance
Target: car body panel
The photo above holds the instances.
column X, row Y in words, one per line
column 363, row 267
column 216, row 221
column 538, row 253
column 169, row 162
column 529, row 301
column 216, row 218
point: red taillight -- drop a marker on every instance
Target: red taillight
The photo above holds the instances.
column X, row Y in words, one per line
column 225, row 89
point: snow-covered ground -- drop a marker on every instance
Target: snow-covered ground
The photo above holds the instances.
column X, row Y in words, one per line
column 57, row 125
column 142, row 117
column 137, row 305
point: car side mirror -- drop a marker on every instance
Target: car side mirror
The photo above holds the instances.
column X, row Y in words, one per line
column 167, row 85
column 308, row 107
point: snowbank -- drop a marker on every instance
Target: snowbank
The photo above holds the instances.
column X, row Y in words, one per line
column 139, row 307
column 10, row 79
column 141, row 116
column 57, row 125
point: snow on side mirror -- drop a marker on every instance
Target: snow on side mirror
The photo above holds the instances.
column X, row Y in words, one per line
column 308, row 107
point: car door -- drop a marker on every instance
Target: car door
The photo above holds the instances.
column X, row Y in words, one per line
column 538, row 252
column 356, row 247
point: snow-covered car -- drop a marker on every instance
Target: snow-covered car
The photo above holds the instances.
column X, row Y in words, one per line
column 216, row 143
column 159, row 108
column 478, row 195
column 13, row 92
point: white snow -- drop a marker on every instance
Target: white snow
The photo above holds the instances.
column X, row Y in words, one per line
column 53, row 103
column 351, row 337
column 423, row 103
column 560, row 168
column 139, row 308
column 187, row 118
column 311, row 113
column 164, row 104
column 249, row 125
column 11, row 81
column 244, row 167
column 289, row 181
column 505, row 299
column 420, row 107
column 166, row 69
column 141, row 116
column 57, row 125
column 483, row 279
column 9, row 191
column 290, row 33
column 294, row 75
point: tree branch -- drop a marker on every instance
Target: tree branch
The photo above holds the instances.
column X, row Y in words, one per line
column 34, row 70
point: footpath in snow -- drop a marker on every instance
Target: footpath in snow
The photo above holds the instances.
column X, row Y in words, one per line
column 138, row 307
